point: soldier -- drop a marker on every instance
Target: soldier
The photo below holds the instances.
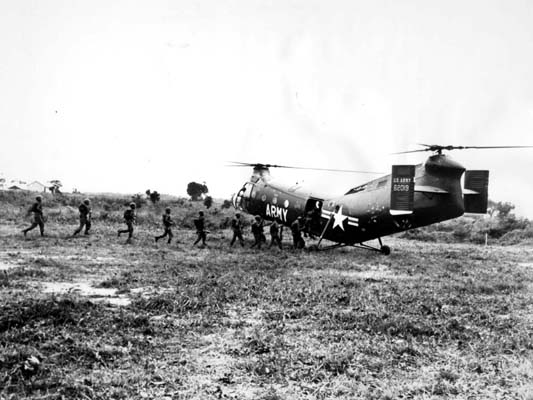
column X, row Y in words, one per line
column 85, row 217
column 236, row 227
column 167, row 223
column 199, row 223
column 38, row 218
column 257, row 231
column 296, row 229
column 129, row 219
column 275, row 234
column 308, row 224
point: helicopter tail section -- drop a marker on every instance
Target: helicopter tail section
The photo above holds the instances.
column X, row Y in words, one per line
column 402, row 189
column 476, row 191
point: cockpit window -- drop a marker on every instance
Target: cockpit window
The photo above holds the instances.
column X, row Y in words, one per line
column 244, row 195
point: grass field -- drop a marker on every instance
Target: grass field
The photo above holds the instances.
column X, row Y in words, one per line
column 93, row 318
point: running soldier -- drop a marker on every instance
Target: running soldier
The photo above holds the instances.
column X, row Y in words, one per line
column 275, row 234
column 199, row 223
column 85, row 217
column 167, row 224
column 129, row 219
column 257, row 231
column 38, row 218
column 236, row 227
column 296, row 229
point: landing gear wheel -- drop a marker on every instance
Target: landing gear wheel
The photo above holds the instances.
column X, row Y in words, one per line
column 385, row 250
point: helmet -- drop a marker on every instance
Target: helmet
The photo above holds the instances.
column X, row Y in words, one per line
column 87, row 201
column 257, row 218
column 132, row 205
column 39, row 198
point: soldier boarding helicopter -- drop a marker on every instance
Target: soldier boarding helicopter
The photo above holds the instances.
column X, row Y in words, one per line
column 410, row 197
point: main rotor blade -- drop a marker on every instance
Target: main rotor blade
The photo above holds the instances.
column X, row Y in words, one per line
column 494, row 147
column 255, row 165
column 412, row 151
column 332, row 170
column 439, row 148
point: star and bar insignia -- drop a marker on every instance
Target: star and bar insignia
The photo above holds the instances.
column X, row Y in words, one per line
column 339, row 218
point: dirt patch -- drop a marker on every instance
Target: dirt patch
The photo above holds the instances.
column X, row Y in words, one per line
column 108, row 295
column 377, row 272
column 6, row 266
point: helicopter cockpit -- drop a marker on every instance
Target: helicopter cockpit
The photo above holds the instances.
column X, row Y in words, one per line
column 241, row 199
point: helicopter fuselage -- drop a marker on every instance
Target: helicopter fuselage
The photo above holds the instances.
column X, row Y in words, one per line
column 364, row 212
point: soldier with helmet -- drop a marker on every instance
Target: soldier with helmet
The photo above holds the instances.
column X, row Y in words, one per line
column 275, row 234
column 38, row 218
column 167, row 224
column 257, row 231
column 201, row 233
column 236, row 227
column 129, row 219
column 85, row 217
column 296, row 229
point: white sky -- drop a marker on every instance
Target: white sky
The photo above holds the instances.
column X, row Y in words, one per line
column 122, row 96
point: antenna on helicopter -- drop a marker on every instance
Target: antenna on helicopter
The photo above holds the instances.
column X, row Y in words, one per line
column 438, row 149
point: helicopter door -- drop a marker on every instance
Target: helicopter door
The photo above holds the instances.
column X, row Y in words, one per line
column 313, row 211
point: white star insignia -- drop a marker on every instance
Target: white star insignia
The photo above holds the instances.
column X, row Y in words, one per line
column 339, row 219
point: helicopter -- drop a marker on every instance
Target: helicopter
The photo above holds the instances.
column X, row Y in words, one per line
column 411, row 196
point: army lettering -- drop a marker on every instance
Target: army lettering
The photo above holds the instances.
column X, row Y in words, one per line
column 276, row 212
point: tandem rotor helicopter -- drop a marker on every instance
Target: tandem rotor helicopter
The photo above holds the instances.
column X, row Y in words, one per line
column 410, row 197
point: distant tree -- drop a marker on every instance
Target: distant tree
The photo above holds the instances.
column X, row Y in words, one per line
column 208, row 201
column 55, row 185
column 504, row 209
column 153, row 196
column 196, row 190
column 226, row 204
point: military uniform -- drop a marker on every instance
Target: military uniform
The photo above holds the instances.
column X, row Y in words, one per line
column 199, row 223
column 85, row 217
column 236, row 226
column 129, row 219
column 167, row 224
column 38, row 218
column 257, row 231
column 308, row 224
column 297, row 239
column 275, row 234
